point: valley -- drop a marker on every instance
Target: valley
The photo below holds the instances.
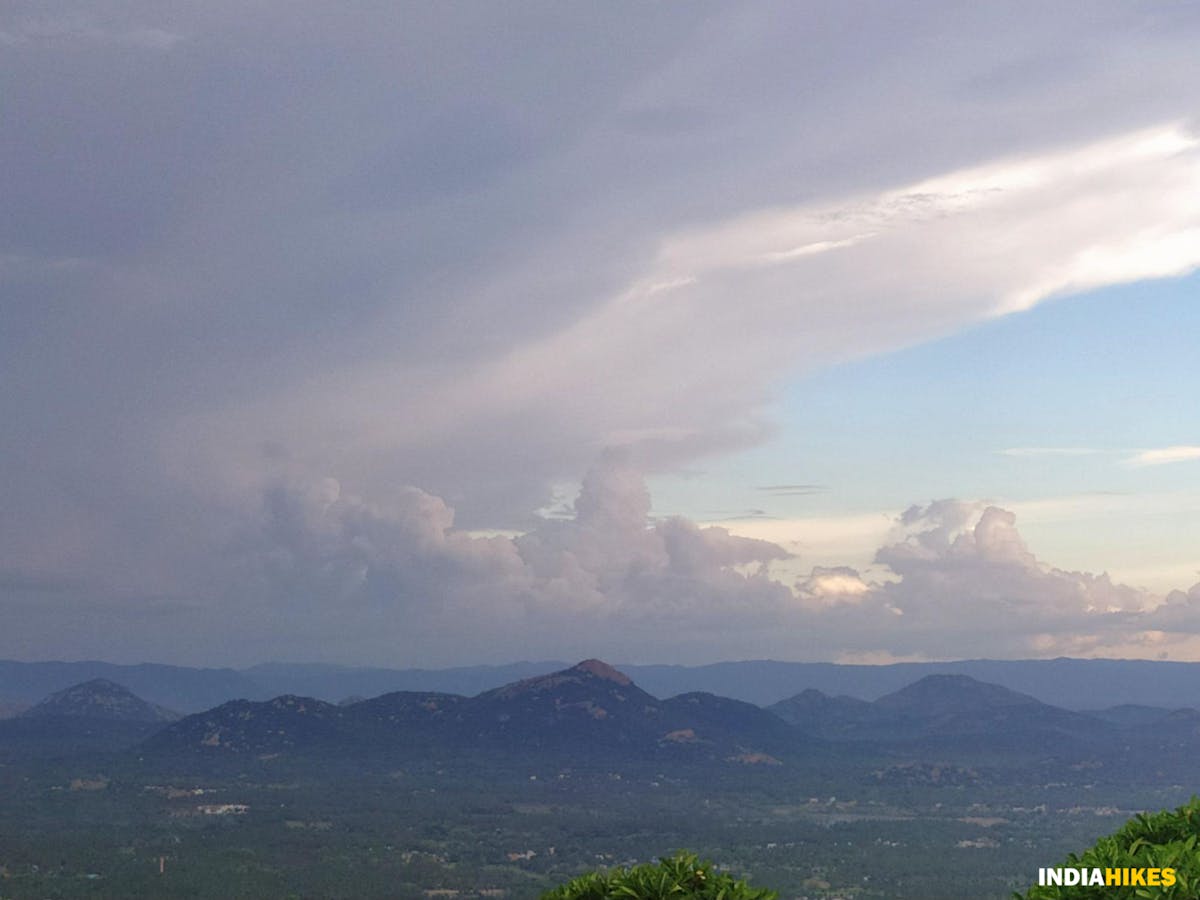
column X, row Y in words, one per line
column 949, row 788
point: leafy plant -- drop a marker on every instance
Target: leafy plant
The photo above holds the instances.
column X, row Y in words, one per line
column 1163, row 840
column 683, row 876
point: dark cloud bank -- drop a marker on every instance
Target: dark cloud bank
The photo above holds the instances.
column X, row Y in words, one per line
column 468, row 248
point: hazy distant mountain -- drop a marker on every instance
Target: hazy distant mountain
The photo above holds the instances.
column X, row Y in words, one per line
column 331, row 682
column 99, row 699
column 275, row 726
column 830, row 717
column 956, row 706
column 949, row 710
column 733, row 728
column 1178, row 725
column 405, row 719
column 593, row 711
column 9, row 710
column 936, row 696
column 198, row 689
column 1130, row 715
column 1068, row 683
column 174, row 687
column 407, row 708
column 97, row 716
column 587, row 710
column 590, row 704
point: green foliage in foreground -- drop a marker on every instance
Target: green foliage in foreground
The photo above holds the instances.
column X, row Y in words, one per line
column 1167, row 839
column 680, row 877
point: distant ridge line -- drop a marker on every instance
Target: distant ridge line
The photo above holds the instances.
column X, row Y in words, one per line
column 1063, row 681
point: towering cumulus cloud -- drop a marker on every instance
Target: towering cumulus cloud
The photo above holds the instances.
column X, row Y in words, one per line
column 957, row 580
column 324, row 559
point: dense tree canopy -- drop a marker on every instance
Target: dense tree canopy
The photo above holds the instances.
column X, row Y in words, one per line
column 680, row 877
column 1164, row 840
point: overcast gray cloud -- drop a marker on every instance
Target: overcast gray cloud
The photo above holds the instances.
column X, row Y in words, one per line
column 250, row 247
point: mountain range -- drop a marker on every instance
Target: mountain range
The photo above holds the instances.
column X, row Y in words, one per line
column 593, row 711
column 1078, row 684
column 941, row 708
column 589, row 710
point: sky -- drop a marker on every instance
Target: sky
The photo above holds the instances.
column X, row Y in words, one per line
column 426, row 334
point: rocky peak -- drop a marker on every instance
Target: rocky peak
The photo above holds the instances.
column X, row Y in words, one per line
column 603, row 670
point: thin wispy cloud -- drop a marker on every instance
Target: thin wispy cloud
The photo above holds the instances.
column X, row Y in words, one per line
column 781, row 256
column 1164, row 456
column 793, row 490
column 1049, row 451
column 65, row 30
column 726, row 515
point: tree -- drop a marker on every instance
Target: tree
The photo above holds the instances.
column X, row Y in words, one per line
column 1163, row 840
column 683, row 876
